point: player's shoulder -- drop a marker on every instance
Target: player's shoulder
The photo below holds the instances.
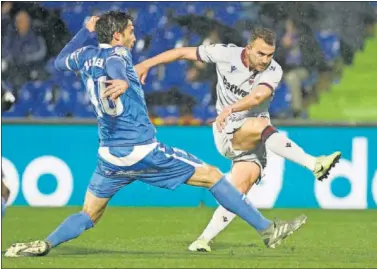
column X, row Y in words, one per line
column 223, row 47
column 232, row 47
column 86, row 51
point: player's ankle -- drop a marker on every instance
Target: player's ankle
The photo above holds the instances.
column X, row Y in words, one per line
column 204, row 239
column 49, row 245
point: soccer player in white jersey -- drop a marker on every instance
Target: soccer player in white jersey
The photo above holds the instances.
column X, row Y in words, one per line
column 247, row 79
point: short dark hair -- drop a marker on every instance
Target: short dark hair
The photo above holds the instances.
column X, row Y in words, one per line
column 109, row 23
column 265, row 34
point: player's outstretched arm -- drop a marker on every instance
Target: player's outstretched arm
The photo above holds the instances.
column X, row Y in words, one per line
column 77, row 42
column 185, row 53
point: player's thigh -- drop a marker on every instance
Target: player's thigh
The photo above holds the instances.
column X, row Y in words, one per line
column 244, row 175
column 249, row 135
column 173, row 167
column 205, row 176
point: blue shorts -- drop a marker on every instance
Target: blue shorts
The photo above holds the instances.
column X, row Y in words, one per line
column 155, row 164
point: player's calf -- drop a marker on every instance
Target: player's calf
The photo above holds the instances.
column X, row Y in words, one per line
column 243, row 177
column 228, row 196
column 76, row 224
column 70, row 228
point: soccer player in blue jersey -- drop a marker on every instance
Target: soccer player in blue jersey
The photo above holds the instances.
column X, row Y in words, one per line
column 128, row 148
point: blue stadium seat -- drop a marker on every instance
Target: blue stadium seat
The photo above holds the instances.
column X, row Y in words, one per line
column 137, row 4
column 281, row 103
column 330, row 45
column 189, row 8
column 17, row 110
column 44, row 101
column 194, row 40
column 172, row 35
column 31, row 94
column 67, row 98
column 148, row 19
column 55, row 4
column 228, row 15
column 159, row 86
column 199, row 90
column 74, row 17
column 175, row 73
column 152, row 77
column 166, row 111
column 83, row 107
column 45, row 111
column 205, row 113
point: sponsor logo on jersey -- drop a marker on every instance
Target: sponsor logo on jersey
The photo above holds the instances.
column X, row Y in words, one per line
column 233, row 88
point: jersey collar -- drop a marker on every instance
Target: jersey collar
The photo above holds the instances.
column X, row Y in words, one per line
column 105, row 46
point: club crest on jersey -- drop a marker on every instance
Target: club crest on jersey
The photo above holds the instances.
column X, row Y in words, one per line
column 120, row 51
column 232, row 68
column 251, row 80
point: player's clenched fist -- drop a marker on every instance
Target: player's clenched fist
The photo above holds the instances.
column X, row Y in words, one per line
column 91, row 24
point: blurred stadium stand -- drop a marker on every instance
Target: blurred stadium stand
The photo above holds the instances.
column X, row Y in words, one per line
column 177, row 93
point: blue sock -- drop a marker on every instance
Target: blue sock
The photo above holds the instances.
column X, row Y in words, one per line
column 234, row 201
column 70, row 228
column 2, row 206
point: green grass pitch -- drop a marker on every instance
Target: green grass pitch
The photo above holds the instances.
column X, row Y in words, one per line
column 159, row 237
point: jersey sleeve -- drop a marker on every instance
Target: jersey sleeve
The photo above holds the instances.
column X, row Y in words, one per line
column 116, row 64
column 214, row 53
column 68, row 58
column 271, row 77
column 116, row 68
column 75, row 60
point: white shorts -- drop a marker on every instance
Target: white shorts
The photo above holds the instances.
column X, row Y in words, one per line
column 223, row 143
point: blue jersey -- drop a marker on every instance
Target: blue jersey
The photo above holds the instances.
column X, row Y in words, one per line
column 125, row 121
column 129, row 150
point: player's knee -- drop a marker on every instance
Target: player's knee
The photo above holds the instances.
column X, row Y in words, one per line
column 255, row 127
column 94, row 213
column 267, row 132
column 213, row 175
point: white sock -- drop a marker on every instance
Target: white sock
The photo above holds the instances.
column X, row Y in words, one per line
column 284, row 147
column 220, row 219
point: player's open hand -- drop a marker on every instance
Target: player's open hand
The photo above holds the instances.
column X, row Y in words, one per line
column 142, row 71
column 115, row 88
column 91, row 24
column 222, row 118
